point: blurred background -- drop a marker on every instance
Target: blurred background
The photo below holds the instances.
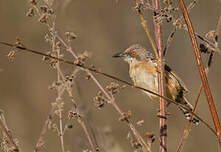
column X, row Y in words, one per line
column 103, row 28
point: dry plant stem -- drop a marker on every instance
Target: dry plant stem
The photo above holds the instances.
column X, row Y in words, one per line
column 111, row 99
column 5, row 130
column 187, row 130
column 60, row 111
column 111, row 77
column 163, row 126
column 44, row 130
column 146, row 29
column 60, row 76
column 80, row 120
column 87, row 134
column 202, row 72
column 213, row 46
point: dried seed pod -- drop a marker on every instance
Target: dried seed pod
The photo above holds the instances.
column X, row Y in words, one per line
column 30, row 12
column 140, row 122
column 43, row 18
column 44, row 9
column 211, row 34
column 70, row 36
column 11, row 55
column 150, row 136
column 33, row 2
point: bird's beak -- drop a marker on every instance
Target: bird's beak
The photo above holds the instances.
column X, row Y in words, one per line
column 120, row 54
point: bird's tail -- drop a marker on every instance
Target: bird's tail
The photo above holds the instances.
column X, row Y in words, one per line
column 187, row 113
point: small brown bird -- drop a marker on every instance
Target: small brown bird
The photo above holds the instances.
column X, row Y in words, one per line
column 143, row 71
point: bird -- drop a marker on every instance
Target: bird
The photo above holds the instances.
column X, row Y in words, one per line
column 143, row 70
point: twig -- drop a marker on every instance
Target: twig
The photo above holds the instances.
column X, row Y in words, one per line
column 163, row 125
column 202, row 72
column 111, row 77
column 186, row 132
column 8, row 135
column 40, row 141
column 138, row 8
column 80, row 120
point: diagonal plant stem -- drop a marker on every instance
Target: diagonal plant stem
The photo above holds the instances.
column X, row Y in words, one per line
column 187, row 130
column 202, row 72
column 138, row 8
column 111, row 77
column 163, row 125
column 7, row 133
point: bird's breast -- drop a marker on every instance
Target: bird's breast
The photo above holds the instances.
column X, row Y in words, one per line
column 144, row 75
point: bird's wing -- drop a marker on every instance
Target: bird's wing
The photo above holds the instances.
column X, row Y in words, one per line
column 173, row 74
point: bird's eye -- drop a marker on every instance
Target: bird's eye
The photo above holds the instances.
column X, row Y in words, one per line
column 133, row 53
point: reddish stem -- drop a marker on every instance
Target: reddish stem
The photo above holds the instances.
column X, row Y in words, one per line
column 202, row 71
column 163, row 126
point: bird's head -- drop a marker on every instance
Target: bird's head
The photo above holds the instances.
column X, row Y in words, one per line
column 135, row 53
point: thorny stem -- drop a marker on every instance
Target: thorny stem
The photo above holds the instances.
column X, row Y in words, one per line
column 163, row 125
column 111, row 77
column 202, row 72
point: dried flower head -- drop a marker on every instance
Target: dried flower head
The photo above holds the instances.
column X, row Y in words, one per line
column 113, row 88
column 11, row 55
column 135, row 144
column 99, row 100
column 30, row 12
column 140, row 122
column 43, row 9
column 70, row 36
column 211, row 34
column 150, row 136
column 43, row 18
column 125, row 116
column 33, row 2
column 82, row 58
column 48, row 38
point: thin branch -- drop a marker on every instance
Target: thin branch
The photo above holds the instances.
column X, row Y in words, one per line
column 80, row 120
column 163, row 125
column 40, row 141
column 202, row 72
column 111, row 77
column 8, row 135
column 186, row 132
column 138, row 8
